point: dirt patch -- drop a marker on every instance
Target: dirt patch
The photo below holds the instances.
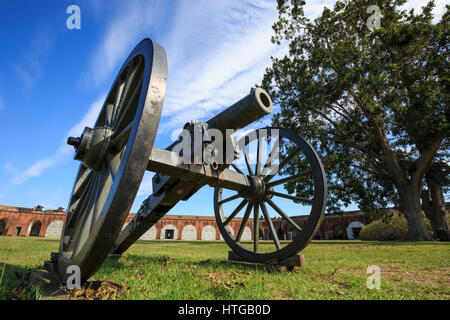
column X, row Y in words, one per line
column 220, row 279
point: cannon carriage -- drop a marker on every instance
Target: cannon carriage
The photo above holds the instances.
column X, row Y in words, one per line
column 118, row 150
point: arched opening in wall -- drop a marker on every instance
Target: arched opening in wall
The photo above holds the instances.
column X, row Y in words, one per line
column 54, row 230
column 150, row 234
column 35, row 229
column 247, row 234
column 354, row 229
column 169, row 232
column 208, row 233
column 356, row 232
column 189, row 232
column 4, row 224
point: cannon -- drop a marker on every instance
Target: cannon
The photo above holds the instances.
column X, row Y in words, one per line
column 117, row 151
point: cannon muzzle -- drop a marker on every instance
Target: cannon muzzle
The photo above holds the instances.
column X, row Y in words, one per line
column 247, row 110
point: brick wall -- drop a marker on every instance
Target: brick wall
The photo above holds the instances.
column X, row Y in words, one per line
column 332, row 227
column 11, row 220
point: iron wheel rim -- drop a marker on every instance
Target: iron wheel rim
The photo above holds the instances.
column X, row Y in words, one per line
column 134, row 144
column 310, row 228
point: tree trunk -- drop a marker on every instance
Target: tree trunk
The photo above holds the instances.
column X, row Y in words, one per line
column 433, row 205
column 409, row 198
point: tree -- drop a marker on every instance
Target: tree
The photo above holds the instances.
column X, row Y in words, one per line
column 375, row 101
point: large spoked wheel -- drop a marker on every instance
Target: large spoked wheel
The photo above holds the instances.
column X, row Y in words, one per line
column 286, row 201
column 113, row 155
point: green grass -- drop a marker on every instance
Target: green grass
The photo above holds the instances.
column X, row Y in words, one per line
column 193, row 270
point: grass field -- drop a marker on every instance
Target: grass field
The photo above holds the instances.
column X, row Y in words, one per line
column 193, row 270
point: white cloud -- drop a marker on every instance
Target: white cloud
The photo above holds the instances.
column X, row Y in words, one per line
column 9, row 167
column 39, row 166
column 29, row 68
column 63, row 153
column 88, row 119
column 129, row 26
column 217, row 51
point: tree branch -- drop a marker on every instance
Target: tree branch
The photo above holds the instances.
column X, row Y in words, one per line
column 388, row 155
column 424, row 161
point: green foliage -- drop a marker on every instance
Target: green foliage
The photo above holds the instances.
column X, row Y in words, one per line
column 392, row 226
column 373, row 103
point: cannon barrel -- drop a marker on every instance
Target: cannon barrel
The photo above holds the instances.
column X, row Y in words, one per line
column 247, row 110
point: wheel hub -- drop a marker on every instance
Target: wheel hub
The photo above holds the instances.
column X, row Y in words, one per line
column 256, row 192
column 91, row 147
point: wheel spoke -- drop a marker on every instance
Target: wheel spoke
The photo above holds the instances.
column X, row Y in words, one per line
column 271, row 227
column 282, row 164
column 113, row 163
column 105, row 187
column 235, row 212
column 288, row 196
column 82, row 214
column 120, row 139
column 281, row 213
column 109, row 115
column 291, row 178
column 75, row 206
column 258, row 155
column 229, row 199
column 120, row 123
column 247, row 162
column 81, row 182
column 244, row 222
column 131, row 76
column 256, row 227
column 90, row 210
column 236, row 168
column 88, row 200
column 119, row 92
column 273, row 154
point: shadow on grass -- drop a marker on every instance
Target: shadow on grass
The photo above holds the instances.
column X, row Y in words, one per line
column 162, row 261
column 14, row 284
column 158, row 261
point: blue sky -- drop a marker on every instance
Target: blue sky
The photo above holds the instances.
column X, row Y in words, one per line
column 53, row 80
